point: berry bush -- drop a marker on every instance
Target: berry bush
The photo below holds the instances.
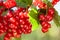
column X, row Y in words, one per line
column 19, row 17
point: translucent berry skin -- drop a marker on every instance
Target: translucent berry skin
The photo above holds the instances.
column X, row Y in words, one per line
column 15, row 24
column 42, row 5
column 51, row 11
column 45, row 26
column 44, row 30
column 54, row 2
column 42, row 17
column 9, row 4
column 49, row 18
column 39, row 4
column 1, row 2
column 45, row 19
column 50, row 14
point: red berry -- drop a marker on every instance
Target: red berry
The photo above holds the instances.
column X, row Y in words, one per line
column 19, row 31
column 49, row 17
column 21, row 15
column 44, row 30
column 45, row 24
column 9, row 3
column 12, row 26
column 1, row 31
column 13, row 30
column 16, row 35
column 42, row 5
column 9, row 14
column 9, row 35
column 21, row 9
column 12, row 20
column 42, row 17
column 1, row 2
column 22, row 22
column 54, row 2
column 51, row 11
column 6, row 38
column 29, row 31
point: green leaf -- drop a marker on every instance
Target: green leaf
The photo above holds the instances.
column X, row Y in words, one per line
column 4, row 13
column 56, row 19
column 24, row 3
column 34, row 18
column 49, row 4
column 2, row 37
column 45, row 1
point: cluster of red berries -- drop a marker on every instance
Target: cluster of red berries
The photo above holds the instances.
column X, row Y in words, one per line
column 40, row 4
column 15, row 22
column 8, row 3
column 45, row 19
column 54, row 2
